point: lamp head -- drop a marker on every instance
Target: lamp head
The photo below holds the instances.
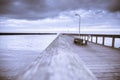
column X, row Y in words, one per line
column 76, row 14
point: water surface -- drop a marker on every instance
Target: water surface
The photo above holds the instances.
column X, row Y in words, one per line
column 18, row 51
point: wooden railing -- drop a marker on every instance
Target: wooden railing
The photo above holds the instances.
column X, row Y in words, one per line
column 89, row 37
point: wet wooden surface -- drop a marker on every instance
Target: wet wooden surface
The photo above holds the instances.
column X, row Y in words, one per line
column 103, row 62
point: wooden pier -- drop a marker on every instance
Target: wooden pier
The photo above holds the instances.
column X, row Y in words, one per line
column 63, row 60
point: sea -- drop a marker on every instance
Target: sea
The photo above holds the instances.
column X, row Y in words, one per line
column 18, row 51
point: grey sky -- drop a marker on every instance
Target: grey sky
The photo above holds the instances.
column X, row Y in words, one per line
column 37, row 9
column 38, row 15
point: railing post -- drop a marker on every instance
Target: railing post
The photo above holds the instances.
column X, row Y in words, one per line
column 84, row 37
column 96, row 39
column 113, row 41
column 91, row 38
column 87, row 38
column 103, row 40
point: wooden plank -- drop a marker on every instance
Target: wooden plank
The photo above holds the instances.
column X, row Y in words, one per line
column 104, row 62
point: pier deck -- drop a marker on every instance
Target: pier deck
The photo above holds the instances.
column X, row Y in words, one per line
column 103, row 62
column 63, row 60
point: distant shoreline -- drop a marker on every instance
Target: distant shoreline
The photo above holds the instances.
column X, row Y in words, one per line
column 28, row 33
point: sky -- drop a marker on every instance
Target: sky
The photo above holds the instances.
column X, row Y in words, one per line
column 59, row 15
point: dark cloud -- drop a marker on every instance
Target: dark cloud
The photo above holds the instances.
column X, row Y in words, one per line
column 114, row 6
column 37, row 9
column 4, row 6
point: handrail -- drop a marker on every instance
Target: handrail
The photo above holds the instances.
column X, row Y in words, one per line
column 90, row 36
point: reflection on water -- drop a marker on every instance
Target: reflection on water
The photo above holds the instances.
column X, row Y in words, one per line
column 16, row 52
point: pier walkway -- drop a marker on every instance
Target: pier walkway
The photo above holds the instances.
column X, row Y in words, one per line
column 63, row 60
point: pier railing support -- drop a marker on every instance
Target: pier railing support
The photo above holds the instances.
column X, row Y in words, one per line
column 90, row 36
column 113, row 41
column 103, row 40
column 96, row 39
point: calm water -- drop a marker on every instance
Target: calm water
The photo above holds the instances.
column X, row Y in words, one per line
column 26, row 42
column 16, row 52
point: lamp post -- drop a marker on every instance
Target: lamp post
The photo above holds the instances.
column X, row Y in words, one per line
column 79, row 22
column 79, row 41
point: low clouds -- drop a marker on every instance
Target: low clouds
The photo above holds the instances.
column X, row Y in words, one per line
column 39, row 9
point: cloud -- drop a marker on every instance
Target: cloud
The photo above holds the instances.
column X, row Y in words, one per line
column 114, row 6
column 66, row 21
column 39, row 9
